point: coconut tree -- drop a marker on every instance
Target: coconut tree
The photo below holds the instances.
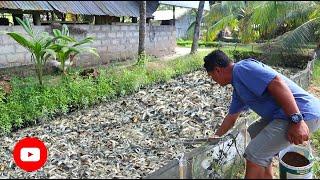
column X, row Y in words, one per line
column 67, row 49
column 196, row 34
column 256, row 20
column 38, row 44
column 142, row 32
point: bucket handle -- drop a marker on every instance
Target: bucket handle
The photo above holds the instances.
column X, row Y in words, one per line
column 311, row 156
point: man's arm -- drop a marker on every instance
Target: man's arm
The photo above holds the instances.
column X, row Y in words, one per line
column 227, row 124
column 279, row 90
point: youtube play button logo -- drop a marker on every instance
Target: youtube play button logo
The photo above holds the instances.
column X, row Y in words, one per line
column 30, row 154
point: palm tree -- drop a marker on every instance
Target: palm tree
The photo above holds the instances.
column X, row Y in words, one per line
column 38, row 44
column 194, row 46
column 256, row 20
column 67, row 50
column 142, row 29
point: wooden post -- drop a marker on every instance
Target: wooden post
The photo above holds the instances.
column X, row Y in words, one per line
column 134, row 19
column 47, row 16
column 36, row 18
column 52, row 16
column 174, row 16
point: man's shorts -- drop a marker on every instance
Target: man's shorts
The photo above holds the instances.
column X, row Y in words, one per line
column 269, row 138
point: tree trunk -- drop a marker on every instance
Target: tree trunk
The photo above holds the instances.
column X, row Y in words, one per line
column 197, row 28
column 142, row 28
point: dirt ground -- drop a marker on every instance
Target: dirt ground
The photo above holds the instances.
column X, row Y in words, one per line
column 315, row 90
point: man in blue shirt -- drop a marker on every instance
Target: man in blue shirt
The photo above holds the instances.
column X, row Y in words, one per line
column 288, row 113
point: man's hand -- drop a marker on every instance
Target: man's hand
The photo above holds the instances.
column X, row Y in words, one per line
column 298, row 133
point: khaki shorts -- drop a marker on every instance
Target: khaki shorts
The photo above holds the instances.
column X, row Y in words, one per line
column 269, row 138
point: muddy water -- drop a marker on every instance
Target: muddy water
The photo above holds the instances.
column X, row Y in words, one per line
column 295, row 159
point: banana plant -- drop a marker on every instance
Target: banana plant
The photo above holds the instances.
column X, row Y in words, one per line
column 38, row 44
column 67, row 49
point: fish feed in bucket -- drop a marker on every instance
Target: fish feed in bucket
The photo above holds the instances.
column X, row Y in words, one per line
column 295, row 162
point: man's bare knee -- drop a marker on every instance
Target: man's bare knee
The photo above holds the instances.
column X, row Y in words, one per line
column 254, row 171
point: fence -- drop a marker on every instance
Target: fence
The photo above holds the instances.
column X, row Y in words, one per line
column 215, row 159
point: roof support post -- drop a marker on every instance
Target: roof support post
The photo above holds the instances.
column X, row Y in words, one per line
column 134, row 19
column 36, row 18
column 174, row 16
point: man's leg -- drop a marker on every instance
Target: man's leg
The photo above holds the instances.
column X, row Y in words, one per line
column 270, row 141
column 269, row 172
column 253, row 170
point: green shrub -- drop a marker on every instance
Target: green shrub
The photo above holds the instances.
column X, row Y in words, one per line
column 239, row 55
column 188, row 43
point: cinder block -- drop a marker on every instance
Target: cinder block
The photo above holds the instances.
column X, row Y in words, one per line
column 124, row 28
column 7, row 49
column 3, row 59
column 119, row 34
column 101, row 35
column 135, row 34
column 20, row 49
column 6, row 39
column 111, row 35
column 96, row 28
column 115, row 28
column 16, row 57
column 106, row 28
column 133, row 27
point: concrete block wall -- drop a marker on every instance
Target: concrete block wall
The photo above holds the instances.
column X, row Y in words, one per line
column 116, row 42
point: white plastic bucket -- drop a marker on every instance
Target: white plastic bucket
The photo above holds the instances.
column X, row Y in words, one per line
column 291, row 172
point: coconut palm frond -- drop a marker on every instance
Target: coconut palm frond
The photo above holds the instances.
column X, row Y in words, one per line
column 231, row 6
column 264, row 15
column 221, row 24
column 216, row 12
column 298, row 37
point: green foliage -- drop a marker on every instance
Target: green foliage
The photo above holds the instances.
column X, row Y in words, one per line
column 188, row 43
column 316, row 135
column 294, row 22
column 67, row 49
column 316, row 74
column 42, row 46
column 316, row 143
column 37, row 44
column 236, row 170
column 30, row 104
column 239, row 55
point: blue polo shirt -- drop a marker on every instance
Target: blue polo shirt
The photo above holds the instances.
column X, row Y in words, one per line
column 250, row 79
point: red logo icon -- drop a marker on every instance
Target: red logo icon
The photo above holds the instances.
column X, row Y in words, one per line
column 30, row 154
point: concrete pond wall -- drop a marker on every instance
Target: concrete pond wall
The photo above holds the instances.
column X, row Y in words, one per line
column 116, row 42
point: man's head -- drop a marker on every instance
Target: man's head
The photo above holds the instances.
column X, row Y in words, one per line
column 219, row 67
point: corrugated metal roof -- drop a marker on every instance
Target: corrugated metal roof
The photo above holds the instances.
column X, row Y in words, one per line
column 73, row 7
column 152, row 6
column 111, row 8
column 125, row 8
column 92, row 7
column 186, row 4
column 26, row 5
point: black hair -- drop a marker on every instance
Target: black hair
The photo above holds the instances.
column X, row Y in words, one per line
column 216, row 58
